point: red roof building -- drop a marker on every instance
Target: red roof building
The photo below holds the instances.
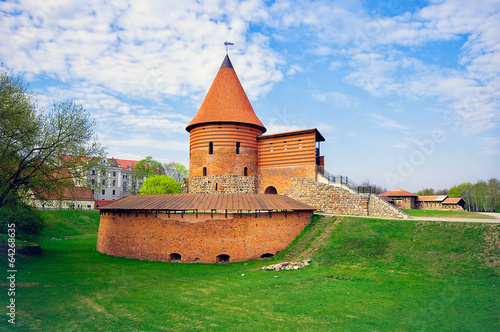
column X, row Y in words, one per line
column 407, row 200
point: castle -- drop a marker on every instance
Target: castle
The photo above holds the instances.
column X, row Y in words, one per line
column 249, row 194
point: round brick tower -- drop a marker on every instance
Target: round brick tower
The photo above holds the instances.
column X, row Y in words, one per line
column 223, row 138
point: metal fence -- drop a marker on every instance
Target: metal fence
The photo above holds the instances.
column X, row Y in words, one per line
column 340, row 179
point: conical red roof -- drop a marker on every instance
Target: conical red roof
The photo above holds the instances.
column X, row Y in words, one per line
column 226, row 101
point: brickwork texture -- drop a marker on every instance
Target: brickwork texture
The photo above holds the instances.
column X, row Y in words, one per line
column 242, row 237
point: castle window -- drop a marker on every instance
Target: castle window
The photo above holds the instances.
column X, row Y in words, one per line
column 114, row 192
column 284, row 145
column 211, row 148
column 104, row 192
column 271, row 147
column 300, row 144
column 216, row 186
column 245, row 171
column 237, row 147
column 204, row 171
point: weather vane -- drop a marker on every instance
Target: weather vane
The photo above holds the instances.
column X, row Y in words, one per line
column 226, row 43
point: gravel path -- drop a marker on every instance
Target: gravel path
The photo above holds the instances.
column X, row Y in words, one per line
column 496, row 219
column 495, row 216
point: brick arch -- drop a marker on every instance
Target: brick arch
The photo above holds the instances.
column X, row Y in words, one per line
column 173, row 257
column 223, row 258
column 271, row 190
column 266, row 255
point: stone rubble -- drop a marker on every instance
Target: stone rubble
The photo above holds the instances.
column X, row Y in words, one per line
column 287, row 266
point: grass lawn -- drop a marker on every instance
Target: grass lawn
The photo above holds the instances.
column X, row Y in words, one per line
column 366, row 275
column 445, row 214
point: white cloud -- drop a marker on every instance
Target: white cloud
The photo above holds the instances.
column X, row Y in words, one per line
column 336, row 98
column 149, row 48
column 386, row 122
column 490, row 146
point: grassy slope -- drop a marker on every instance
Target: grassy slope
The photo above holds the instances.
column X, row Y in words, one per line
column 64, row 223
column 367, row 274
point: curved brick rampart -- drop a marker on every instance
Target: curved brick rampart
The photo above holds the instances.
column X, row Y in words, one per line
column 242, row 237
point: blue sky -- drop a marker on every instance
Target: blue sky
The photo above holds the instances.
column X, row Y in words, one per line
column 406, row 94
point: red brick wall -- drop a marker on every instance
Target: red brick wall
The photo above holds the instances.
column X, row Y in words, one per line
column 200, row 239
column 281, row 177
column 224, row 160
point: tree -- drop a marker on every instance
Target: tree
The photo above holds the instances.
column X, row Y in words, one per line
column 160, row 184
column 147, row 167
column 177, row 171
column 42, row 151
column 493, row 188
column 27, row 220
column 426, row 192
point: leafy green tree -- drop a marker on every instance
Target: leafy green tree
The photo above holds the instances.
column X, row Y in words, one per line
column 28, row 222
column 493, row 189
column 426, row 192
column 160, row 184
column 147, row 167
column 177, row 171
column 41, row 151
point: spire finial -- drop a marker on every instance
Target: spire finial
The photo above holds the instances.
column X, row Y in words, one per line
column 226, row 43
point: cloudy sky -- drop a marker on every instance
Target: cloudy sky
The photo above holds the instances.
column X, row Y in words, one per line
column 406, row 93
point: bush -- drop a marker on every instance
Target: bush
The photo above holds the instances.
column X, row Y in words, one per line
column 28, row 221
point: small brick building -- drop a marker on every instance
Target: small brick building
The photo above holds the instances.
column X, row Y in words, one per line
column 406, row 200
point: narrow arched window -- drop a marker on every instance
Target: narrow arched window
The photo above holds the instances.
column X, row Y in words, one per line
column 211, row 148
column 204, row 171
column 237, row 147
column 245, row 171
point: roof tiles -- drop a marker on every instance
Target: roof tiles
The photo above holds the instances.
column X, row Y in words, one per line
column 226, row 101
column 230, row 202
column 398, row 192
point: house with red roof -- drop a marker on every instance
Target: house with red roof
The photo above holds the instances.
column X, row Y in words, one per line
column 406, row 200
column 401, row 198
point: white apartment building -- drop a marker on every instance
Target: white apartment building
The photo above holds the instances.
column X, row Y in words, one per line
column 114, row 179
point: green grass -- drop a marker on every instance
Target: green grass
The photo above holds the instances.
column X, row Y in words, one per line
column 64, row 223
column 366, row 275
column 445, row 214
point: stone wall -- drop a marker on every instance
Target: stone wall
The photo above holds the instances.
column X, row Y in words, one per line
column 202, row 238
column 437, row 206
column 333, row 199
column 377, row 207
column 230, row 184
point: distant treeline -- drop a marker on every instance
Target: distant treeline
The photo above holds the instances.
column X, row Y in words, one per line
column 480, row 197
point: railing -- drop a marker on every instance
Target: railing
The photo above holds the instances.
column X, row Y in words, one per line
column 340, row 179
